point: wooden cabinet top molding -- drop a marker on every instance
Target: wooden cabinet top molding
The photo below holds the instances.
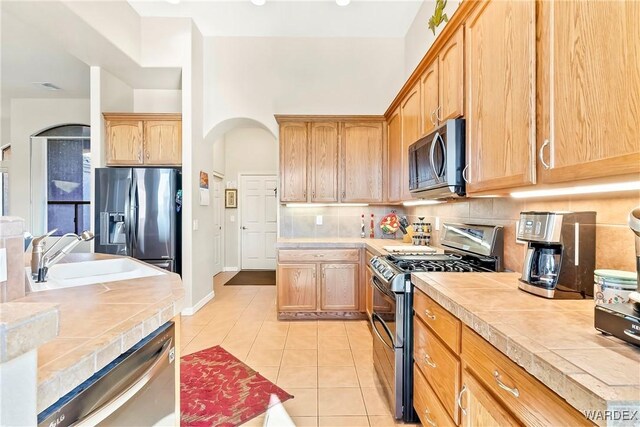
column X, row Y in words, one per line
column 282, row 118
column 455, row 21
column 142, row 116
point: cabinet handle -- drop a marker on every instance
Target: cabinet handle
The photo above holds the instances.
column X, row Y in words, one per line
column 541, row 155
column 318, row 255
column 459, row 401
column 304, row 195
column 464, row 173
column 428, row 361
column 429, row 314
column 313, row 195
column 512, row 390
column 147, row 155
column 344, row 195
column 427, row 418
column 140, row 157
column 438, row 110
column 433, row 121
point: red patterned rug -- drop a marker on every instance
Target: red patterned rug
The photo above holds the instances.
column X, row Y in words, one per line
column 216, row 389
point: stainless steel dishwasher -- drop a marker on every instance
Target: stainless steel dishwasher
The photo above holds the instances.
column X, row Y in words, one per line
column 136, row 389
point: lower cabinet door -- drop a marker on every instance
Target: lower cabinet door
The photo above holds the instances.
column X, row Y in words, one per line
column 427, row 404
column 297, row 287
column 479, row 408
column 339, row 287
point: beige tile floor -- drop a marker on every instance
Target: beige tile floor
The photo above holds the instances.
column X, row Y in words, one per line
column 326, row 365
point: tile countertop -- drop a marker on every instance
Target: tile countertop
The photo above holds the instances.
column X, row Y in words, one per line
column 373, row 245
column 553, row 340
column 97, row 323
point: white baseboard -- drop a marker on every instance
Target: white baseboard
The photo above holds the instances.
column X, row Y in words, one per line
column 230, row 269
column 190, row 311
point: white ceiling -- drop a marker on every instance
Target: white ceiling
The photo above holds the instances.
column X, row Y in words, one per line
column 289, row 18
column 28, row 56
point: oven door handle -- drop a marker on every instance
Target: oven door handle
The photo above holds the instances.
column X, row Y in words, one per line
column 376, row 284
column 374, row 317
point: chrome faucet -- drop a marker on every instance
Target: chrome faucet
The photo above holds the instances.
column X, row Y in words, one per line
column 43, row 261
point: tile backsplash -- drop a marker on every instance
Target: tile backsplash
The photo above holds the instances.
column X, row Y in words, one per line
column 337, row 221
column 614, row 240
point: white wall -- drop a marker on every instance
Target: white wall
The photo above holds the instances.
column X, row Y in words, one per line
column 30, row 116
column 258, row 77
column 218, row 154
column 246, row 151
column 157, row 101
column 419, row 37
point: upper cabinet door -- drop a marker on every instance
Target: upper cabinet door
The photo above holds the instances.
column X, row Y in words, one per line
column 590, row 89
column 430, row 98
column 500, row 77
column 410, row 113
column 362, row 162
column 124, row 142
column 451, row 78
column 163, row 142
column 395, row 175
column 294, row 137
column 324, row 162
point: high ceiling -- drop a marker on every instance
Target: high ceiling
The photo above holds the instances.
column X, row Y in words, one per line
column 289, row 18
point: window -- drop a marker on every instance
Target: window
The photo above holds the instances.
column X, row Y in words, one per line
column 61, row 175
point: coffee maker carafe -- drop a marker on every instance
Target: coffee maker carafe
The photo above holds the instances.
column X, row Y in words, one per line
column 560, row 257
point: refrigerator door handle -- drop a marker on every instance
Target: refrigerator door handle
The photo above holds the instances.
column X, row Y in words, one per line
column 134, row 214
column 127, row 222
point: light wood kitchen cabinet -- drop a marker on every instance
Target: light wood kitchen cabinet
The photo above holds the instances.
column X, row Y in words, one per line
column 294, row 143
column 324, row 162
column 124, row 142
column 411, row 131
column 339, row 287
column 362, row 147
column 442, row 84
column 163, row 142
column 297, row 287
column 500, row 86
column 479, row 408
column 430, row 97
column 134, row 139
column 319, row 283
column 395, row 155
column 589, row 85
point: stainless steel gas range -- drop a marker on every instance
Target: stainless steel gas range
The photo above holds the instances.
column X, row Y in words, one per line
column 468, row 248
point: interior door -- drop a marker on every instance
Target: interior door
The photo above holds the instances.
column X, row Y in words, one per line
column 258, row 212
column 218, row 206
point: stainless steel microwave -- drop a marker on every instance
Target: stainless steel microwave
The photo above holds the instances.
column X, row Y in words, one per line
column 436, row 162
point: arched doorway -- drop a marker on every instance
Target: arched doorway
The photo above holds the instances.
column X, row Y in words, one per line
column 246, row 160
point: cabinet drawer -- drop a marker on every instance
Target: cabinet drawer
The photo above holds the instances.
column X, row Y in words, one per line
column 439, row 366
column 426, row 403
column 526, row 397
column 318, row 255
column 443, row 323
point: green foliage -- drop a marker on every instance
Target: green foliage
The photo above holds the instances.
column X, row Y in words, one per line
column 438, row 15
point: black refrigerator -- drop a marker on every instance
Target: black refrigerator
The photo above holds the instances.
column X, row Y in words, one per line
column 138, row 214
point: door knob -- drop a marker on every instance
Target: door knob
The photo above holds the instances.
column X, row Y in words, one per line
column 243, row 228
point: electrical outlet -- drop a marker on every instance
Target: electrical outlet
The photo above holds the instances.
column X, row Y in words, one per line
column 437, row 226
column 318, row 219
column 232, row 218
column 3, row 264
column 195, row 224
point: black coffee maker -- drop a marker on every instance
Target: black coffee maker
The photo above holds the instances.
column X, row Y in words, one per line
column 560, row 257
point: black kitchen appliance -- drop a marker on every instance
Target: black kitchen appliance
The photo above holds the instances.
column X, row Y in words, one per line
column 560, row 258
column 138, row 214
column 621, row 320
column 437, row 162
column 469, row 248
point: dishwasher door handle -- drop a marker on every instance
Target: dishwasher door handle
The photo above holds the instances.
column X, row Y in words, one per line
column 108, row 408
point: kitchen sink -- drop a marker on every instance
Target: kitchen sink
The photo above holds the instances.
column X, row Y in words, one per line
column 68, row 275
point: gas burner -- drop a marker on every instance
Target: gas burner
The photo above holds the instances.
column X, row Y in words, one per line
column 434, row 263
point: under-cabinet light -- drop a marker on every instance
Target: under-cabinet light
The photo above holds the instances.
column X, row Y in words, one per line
column 580, row 189
column 258, row 2
column 421, row 202
column 343, row 2
column 322, row 205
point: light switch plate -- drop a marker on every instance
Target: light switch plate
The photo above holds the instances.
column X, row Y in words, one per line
column 3, row 264
column 232, row 218
column 196, row 224
column 437, row 223
column 318, row 219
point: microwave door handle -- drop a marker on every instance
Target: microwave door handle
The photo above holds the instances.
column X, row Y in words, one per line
column 431, row 154
column 444, row 155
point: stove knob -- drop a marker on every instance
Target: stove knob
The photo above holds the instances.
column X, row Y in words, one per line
column 387, row 273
